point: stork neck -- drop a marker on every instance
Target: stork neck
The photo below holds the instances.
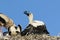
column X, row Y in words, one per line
column 30, row 20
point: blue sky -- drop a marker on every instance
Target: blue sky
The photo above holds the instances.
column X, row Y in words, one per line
column 45, row 10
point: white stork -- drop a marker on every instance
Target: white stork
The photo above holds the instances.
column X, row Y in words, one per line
column 34, row 26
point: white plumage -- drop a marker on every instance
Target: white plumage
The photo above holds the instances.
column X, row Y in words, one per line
column 14, row 30
column 36, row 23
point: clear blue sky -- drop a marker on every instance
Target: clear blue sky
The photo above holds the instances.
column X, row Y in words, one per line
column 45, row 10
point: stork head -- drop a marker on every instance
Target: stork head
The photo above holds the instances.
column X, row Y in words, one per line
column 26, row 13
column 30, row 15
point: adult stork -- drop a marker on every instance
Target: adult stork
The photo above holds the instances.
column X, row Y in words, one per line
column 34, row 26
